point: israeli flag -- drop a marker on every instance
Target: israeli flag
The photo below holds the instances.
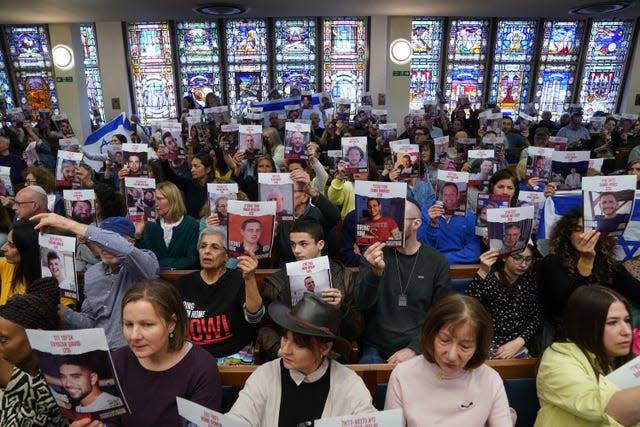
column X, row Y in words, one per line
column 96, row 144
column 558, row 205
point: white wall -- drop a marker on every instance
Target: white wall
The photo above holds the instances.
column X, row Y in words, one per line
column 113, row 67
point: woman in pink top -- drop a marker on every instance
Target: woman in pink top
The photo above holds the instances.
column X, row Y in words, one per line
column 461, row 390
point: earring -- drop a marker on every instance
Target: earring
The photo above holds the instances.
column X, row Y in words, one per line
column 171, row 335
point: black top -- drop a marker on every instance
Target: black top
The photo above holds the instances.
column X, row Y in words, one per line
column 301, row 404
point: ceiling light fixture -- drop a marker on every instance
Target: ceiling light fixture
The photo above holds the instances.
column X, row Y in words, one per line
column 221, row 10
column 62, row 56
column 600, row 8
column 400, row 51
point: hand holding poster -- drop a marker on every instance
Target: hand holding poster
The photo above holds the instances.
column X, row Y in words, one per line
column 250, row 228
column 219, row 196
column 452, row 192
column 57, row 255
column 308, row 276
column 135, row 159
column 80, row 205
column 608, row 202
column 380, row 212
column 296, row 137
column 171, row 139
column 278, row 188
column 509, row 229
column 141, row 199
column 354, row 153
column 78, row 368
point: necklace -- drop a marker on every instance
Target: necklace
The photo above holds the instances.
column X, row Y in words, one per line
column 402, row 298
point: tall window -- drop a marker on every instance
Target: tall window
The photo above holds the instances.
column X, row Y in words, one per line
column 514, row 48
column 345, row 57
column 556, row 76
column 199, row 59
column 5, row 87
column 152, row 69
column 467, row 56
column 31, row 61
column 92, row 75
column 604, row 66
column 426, row 47
column 248, row 73
column 295, row 54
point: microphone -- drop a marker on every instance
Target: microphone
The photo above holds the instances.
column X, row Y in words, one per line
column 465, row 405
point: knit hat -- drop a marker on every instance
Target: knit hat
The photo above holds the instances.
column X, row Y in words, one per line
column 37, row 309
column 119, row 225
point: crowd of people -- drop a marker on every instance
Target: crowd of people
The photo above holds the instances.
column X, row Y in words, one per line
column 572, row 307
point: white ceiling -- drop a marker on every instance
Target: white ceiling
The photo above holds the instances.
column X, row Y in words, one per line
column 77, row 11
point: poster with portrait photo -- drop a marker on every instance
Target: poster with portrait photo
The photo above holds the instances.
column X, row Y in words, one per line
column 596, row 164
column 493, row 143
column 366, row 99
column 380, row 210
column 343, row 109
column 535, row 199
column 388, row 132
column 57, row 260
column 31, row 156
column 608, row 203
column 440, row 145
column 486, row 202
column 6, row 187
column 379, row 115
column 80, row 355
column 308, row 276
column 229, row 137
column 539, row 163
column 509, row 229
column 388, row 418
column 250, row 140
column 66, row 167
column 197, row 131
column 524, row 121
column 292, row 112
column 491, row 122
column 194, row 415
column 251, row 227
column 141, row 199
column 62, row 125
column 69, row 144
column 596, row 124
column 451, row 191
column 306, row 101
column 219, row 196
column 115, row 156
column 278, row 188
column 218, row 115
column 134, row 157
column 482, row 165
column 333, row 157
column 558, row 143
column 406, row 159
column 354, row 154
column 363, row 115
column 171, row 140
column 80, row 205
column 296, row 138
column 568, row 168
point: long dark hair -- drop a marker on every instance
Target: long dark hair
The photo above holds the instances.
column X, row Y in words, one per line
column 207, row 161
column 561, row 245
column 506, row 174
column 498, row 267
column 584, row 322
column 25, row 240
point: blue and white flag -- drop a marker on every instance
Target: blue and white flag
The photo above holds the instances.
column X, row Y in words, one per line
column 95, row 146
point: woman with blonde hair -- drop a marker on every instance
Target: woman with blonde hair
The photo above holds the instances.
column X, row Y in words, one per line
column 173, row 237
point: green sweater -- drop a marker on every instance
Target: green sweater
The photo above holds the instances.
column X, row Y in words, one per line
column 182, row 253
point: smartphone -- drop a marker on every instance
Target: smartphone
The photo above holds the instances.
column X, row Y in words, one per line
column 232, row 263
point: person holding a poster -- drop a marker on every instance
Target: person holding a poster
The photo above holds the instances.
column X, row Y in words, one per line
column 80, row 380
column 106, row 282
column 307, row 240
column 381, row 228
column 304, row 384
column 25, row 398
column 572, row 381
column 21, row 262
column 450, row 370
column 12, row 161
column 397, row 301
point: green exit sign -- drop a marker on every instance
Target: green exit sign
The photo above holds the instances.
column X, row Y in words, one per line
column 59, row 79
column 398, row 73
column 67, row 79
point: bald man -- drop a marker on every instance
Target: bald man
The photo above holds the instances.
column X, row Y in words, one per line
column 30, row 201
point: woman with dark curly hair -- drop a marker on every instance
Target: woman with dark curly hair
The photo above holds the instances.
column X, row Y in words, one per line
column 580, row 257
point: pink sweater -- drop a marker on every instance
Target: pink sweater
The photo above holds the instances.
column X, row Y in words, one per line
column 428, row 397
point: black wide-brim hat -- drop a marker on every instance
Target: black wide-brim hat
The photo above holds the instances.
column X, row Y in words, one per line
column 311, row 316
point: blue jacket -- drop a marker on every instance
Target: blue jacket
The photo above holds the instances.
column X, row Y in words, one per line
column 455, row 239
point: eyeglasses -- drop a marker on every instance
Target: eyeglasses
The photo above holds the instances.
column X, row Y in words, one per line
column 15, row 202
column 519, row 259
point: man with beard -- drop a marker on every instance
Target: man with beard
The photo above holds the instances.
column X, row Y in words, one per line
column 81, row 211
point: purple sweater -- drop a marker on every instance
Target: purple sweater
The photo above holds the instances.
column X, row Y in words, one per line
column 151, row 395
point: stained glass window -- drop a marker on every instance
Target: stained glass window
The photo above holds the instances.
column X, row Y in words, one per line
column 246, row 40
column 5, row 87
column 465, row 79
column 345, row 57
column 152, row 69
column 247, row 82
column 92, row 75
column 554, row 88
column 510, row 86
column 468, row 40
column 295, row 40
column 515, row 41
column 37, row 89
column 603, row 72
column 426, row 48
column 302, row 76
column 561, row 41
column 199, row 58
